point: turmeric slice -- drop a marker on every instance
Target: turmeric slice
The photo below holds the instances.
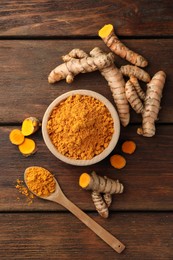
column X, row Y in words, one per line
column 117, row 161
column 84, row 180
column 16, row 137
column 28, row 147
column 128, row 147
column 30, row 125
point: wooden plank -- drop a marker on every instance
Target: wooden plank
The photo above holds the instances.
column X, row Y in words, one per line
column 62, row 236
column 24, row 89
column 147, row 177
column 54, row 18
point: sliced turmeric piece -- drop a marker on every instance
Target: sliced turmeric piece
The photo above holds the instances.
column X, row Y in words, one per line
column 84, row 180
column 28, row 147
column 16, row 137
column 30, row 125
column 128, row 147
column 117, row 161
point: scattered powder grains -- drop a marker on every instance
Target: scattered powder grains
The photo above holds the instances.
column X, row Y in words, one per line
column 80, row 127
column 24, row 191
column 40, row 181
column 28, row 147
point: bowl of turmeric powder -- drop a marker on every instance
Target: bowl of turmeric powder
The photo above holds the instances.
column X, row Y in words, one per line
column 81, row 127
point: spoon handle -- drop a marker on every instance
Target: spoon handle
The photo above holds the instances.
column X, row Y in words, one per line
column 95, row 227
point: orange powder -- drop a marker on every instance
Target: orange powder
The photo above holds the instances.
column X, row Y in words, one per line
column 80, row 127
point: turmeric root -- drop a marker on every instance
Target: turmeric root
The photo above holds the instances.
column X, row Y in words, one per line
column 117, row 161
column 97, row 183
column 128, row 147
column 116, row 83
column 100, row 205
column 130, row 70
column 108, row 199
column 133, row 97
column 28, row 147
column 152, row 104
column 137, row 87
column 71, row 68
column 75, row 53
column 30, row 125
column 16, row 137
column 111, row 40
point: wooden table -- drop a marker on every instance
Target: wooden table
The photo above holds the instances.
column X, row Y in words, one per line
column 34, row 36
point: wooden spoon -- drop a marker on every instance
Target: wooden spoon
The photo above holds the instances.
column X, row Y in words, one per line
column 59, row 197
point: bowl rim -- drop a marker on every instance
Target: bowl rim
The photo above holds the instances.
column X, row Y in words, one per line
column 96, row 158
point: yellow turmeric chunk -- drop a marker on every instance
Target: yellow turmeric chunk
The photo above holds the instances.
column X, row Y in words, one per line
column 128, row 147
column 30, row 125
column 117, row 161
column 84, row 180
column 105, row 30
column 16, row 137
column 28, row 147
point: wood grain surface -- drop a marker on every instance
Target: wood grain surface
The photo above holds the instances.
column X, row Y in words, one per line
column 33, row 37
column 85, row 18
column 62, row 236
column 147, row 177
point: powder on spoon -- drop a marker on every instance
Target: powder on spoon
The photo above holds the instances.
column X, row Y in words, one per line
column 40, row 181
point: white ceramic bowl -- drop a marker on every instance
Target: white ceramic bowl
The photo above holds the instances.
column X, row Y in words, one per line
column 107, row 150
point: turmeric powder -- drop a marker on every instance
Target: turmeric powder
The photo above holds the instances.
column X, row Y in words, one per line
column 30, row 125
column 24, row 191
column 80, row 127
column 40, row 181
